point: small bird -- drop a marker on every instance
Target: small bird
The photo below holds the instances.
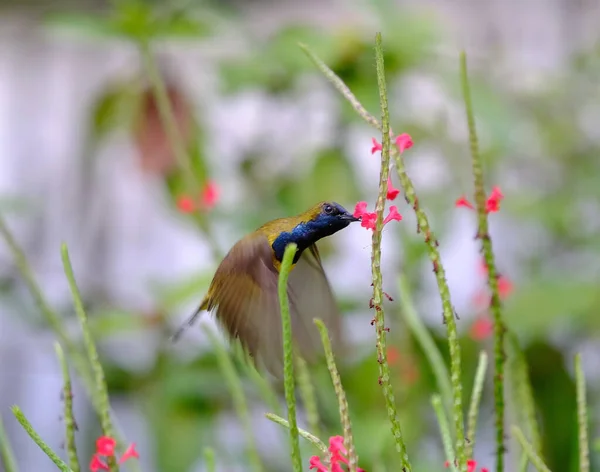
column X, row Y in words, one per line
column 243, row 293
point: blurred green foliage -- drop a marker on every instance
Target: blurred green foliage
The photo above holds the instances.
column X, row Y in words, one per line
column 551, row 172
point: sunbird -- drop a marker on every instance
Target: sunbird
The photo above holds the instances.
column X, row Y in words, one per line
column 243, row 293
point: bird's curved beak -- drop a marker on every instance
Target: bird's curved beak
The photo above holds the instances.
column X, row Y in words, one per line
column 349, row 217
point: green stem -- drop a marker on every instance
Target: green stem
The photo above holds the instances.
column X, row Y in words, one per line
column 384, row 368
column 209, row 459
column 475, row 400
column 341, row 395
column 311, row 438
column 288, row 354
column 92, row 353
column 486, row 240
column 307, row 393
column 70, row 424
column 523, row 393
column 582, row 417
column 432, row 244
column 38, row 440
column 536, row 460
column 239, row 399
column 436, row 402
column 424, row 338
column 6, row 452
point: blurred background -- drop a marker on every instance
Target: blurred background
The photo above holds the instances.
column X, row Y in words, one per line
column 84, row 159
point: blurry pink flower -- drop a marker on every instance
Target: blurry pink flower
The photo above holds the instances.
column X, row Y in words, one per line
column 105, row 446
column 392, row 192
column 97, row 464
column 404, row 142
column 482, row 328
column 463, row 202
column 393, row 215
column 368, row 219
column 492, row 204
column 337, row 457
column 210, row 195
column 376, row 146
column 185, row 204
column 129, row 453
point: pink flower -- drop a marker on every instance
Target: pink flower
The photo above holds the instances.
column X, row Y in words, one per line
column 492, row 204
column 463, row 202
column 376, row 146
column 129, row 453
column 210, row 195
column 392, row 192
column 97, row 464
column 471, row 466
column 404, row 142
column 337, row 453
column 393, row 215
column 185, row 204
column 368, row 219
column 105, row 446
column 482, row 328
column 505, row 287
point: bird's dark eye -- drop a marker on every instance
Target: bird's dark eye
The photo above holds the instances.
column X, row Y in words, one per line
column 328, row 209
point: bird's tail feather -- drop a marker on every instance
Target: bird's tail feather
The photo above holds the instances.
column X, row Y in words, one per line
column 190, row 321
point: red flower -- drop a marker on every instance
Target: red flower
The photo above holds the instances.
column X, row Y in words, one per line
column 392, row 192
column 210, row 195
column 482, row 328
column 471, row 466
column 185, row 204
column 105, row 446
column 368, row 219
column 463, row 202
column 393, row 215
column 315, row 463
column 404, row 142
column 97, row 464
column 376, row 146
column 505, row 286
column 129, row 453
column 337, row 453
column 492, row 205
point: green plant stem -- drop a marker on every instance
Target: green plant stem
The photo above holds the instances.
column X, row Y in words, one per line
column 384, row 368
column 239, row 399
column 314, row 440
column 436, row 402
column 523, row 393
column 6, row 452
column 38, row 440
column 341, row 395
column 432, row 244
column 52, row 318
column 475, row 400
column 307, row 393
column 288, row 354
column 167, row 117
column 536, row 460
column 209, row 459
column 69, row 419
column 424, row 338
column 582, row 417
column 92, row 353
column 488, row 253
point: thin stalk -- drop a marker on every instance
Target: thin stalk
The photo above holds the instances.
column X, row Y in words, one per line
column 311, row 438
column 424, row 338
column 209, row 459
column 38, row 440
column 6, row 452
column 69, row 419
column 239, row 399
column 288, row 354
column 475, row 400
column 536, row 460
column 307, row 393
column 488, row 253
column 341, row 396
column 432, row 244
column 582, row 417
column 92, row 353
column 436, row 402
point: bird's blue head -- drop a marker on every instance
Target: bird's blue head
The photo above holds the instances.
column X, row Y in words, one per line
column 321, row 221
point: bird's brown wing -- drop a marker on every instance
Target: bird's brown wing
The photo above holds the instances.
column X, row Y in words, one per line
column 311, row 297
column 244, row 299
